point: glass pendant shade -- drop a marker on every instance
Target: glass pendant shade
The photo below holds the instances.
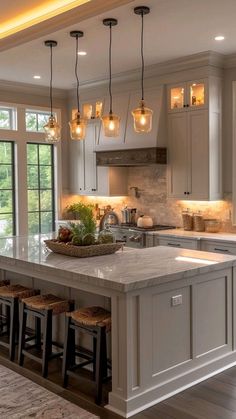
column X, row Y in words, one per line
column 52, row 130
column 78, row 128
column 111, row 125
column 142, row 119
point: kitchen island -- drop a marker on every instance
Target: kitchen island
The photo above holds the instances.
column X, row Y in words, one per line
column 173, row 311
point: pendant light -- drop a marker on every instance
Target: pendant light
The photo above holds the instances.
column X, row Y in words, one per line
column 52, row 128
column 78, row 124
column 142, row 115
column 110, row 122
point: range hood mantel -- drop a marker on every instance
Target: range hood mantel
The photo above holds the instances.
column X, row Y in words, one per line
column 132, row 157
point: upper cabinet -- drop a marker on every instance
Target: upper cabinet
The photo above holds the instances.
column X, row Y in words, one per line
column 123, row 105
column 188, row 96
column 194, row 140
column 88, row 179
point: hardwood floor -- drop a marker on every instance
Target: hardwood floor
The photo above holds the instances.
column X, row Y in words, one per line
column 214, row 398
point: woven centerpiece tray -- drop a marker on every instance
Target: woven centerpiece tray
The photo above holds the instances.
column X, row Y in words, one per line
column 82, row 251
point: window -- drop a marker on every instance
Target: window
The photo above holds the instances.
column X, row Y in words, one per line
column 35, row 120
column 40, row 183
column 7, row 118
column 7, row 189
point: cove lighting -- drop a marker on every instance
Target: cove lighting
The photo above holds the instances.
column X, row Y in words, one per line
column 195, row 260
column 35, row 15
column 219, row 38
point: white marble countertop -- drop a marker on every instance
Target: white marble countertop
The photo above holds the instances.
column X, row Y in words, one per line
column 123, row 271
column 178, row 232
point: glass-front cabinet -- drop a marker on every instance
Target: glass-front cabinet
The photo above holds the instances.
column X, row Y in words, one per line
column 93, row 109
column 188, row 95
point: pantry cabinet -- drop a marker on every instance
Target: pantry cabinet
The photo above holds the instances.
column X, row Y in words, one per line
column 88, row 179
column 194, row 145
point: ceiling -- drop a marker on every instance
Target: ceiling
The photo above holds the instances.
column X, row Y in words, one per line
column 173, row 29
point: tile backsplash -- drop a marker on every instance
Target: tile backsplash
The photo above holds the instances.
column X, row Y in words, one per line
column 151, row 182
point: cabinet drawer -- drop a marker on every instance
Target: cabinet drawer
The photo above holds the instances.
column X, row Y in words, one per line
column 218, row 247
column 181, row 243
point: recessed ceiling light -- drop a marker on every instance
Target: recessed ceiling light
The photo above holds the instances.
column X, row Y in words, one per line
column 82, row 53
column 219, row 38
column 37, row 77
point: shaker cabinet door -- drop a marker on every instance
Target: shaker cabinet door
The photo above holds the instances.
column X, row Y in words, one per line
column 177, row 156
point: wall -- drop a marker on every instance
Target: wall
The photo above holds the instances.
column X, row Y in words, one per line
column 34, row 96
column 153, row 201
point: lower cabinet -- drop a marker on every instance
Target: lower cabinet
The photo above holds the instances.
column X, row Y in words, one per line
column 174, row 242
column 88, row 179
column 218, row 246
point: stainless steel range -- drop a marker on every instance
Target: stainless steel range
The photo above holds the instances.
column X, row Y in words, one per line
column 136, row 236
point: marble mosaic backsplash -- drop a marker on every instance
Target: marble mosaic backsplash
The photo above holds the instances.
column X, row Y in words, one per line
column 152, row 187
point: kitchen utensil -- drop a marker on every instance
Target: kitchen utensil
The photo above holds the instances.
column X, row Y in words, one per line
column 145, row 221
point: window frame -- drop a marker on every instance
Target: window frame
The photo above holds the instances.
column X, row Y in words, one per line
column 39, row 189
column 13, row 189
column 20, row 137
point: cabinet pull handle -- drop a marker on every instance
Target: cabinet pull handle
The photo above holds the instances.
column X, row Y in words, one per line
column 174, row 244
column 221, row 250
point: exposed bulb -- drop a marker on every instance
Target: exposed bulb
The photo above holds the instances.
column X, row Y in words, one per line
column 52, row 130
column 143, row 120
column 111, row 126
column 78, row 127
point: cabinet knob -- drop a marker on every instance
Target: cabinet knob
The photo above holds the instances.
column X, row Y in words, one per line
column 185, row 193
column 184, row 106
column 188, row 193
column 187, row 106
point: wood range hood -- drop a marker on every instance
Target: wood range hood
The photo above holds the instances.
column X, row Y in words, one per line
column 132, row 157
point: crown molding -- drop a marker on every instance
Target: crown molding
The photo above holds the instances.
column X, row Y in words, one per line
column 31, row 89
column 202, row 59
column 230, row 61
column 63, row 20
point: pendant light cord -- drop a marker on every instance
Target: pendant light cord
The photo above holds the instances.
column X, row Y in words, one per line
column 51, row 79
column 76, row 73
column 142, row 56
column 110, row 58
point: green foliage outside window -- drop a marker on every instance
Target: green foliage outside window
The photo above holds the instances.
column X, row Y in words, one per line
column 40, row 188
column 6, row 189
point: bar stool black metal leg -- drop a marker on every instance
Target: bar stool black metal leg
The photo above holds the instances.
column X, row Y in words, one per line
column 47, row 342
column 66, row 352
column 101, row 336
column 38, row 332
column 23, row 319
column 13, row 328
column 8, row 318
column 94, row 357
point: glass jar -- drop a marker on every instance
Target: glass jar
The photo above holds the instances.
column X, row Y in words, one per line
column 106, row 236
column 187, row 218
column 198, row 222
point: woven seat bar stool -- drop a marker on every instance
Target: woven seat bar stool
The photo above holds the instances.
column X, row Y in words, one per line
column 10, row 295
column 43, row 308
column 95, row 321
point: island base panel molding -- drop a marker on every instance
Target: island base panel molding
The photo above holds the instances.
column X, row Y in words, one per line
column 160, row 348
